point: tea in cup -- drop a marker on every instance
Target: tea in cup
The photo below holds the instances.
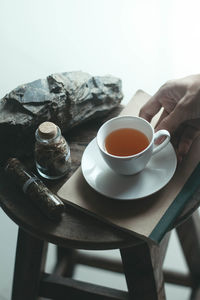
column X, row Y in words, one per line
column 127, row 143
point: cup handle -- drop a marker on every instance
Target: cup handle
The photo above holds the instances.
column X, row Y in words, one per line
column 158, row 134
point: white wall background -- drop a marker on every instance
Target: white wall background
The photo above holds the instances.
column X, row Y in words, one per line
column 145, row 43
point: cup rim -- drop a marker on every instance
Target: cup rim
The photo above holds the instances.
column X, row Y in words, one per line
column 127, row 156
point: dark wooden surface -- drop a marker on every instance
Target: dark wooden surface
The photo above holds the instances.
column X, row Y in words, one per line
column 75, row 229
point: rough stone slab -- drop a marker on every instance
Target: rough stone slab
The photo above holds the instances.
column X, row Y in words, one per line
column 67, row 99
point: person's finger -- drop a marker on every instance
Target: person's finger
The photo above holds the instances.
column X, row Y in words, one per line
column 175, row 118
column 163, row 116
column 186, row 139
column 170, row 123
column 162, row 138
column 151, row 108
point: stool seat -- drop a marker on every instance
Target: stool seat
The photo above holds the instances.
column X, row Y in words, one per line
column 75, row 229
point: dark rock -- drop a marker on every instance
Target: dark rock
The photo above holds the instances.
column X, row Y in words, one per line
column 67, row 99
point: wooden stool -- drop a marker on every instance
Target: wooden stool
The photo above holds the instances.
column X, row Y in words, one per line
column 141, row 262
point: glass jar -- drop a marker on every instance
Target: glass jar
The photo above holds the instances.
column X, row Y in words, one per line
column 52, row 152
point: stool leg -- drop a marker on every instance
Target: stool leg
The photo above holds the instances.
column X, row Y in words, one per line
column 66, row 260
column 195, row 295
column 143, row 270
column 29, row 262
column 189, row 237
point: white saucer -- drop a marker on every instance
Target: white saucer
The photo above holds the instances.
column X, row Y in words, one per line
column 101, row 178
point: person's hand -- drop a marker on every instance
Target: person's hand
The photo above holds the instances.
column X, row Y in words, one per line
column 180, row 101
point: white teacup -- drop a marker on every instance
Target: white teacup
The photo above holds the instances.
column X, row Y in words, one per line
column 129, row 165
